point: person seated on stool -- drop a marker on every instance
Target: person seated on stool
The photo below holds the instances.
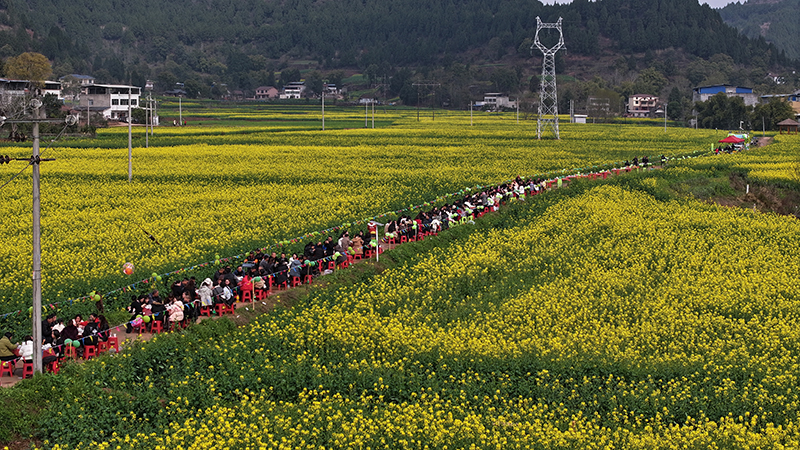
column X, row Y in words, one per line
column 26, row 349
column 8, row 350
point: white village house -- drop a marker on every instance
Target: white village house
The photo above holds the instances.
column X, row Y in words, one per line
column 110, row 100
column 497, row 100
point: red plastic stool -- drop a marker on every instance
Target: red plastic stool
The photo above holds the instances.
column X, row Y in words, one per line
column 308, row 279
column 52, row 367
column 344, row 264
column 261, row 294
column 247, row 296
column 205, row 311
column 231, row 309
column 141, row 328
column 283, row 286
column 158, row 327
column 357, row 256
column 27, row 370
column 331, row 265
column 102, row 347
column 70, row 352
column 89, row 352
column 113, row 341
column 7, row 368
column 296, row 281
column 403, row 239
column 391, row 241
column 220, row 308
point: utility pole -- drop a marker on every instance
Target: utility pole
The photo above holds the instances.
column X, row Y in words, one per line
column 37, row 245
column 323, row 108
column 180, row 111
column 571, row 112
column 34, row 161
column 130, row 141
column 432, row 84
column 381, row 86
column 147, row 123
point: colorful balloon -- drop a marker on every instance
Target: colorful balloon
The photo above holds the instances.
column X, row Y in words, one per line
column 127, row 268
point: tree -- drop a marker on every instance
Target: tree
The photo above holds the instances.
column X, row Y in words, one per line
column 314, row 82
column 675, row 104
column 773, row 112
column 139, row 115
column 288, row 76
column 650, row 81
column 721, row 111
column 28, row 66
column 505, row 80
column 70, row 88
column 372, row 73
column 336, row 78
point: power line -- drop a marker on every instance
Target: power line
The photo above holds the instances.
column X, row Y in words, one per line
column 71, row 120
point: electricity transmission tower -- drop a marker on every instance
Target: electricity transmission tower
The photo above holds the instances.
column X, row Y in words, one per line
column 427, row 84
column 548, row 96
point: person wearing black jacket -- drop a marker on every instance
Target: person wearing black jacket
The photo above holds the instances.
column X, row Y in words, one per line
column 47, row 324
column 319, row 252
column 177, row 288
column 90, row 331
column 328, row 246
column 157, row 307
column 135, row 309
column 281, row 273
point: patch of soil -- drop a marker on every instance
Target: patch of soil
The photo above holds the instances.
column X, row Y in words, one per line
column 759, row 196
column 763, row 141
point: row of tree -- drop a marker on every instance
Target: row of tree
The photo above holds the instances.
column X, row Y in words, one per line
column 240, row 42
column 731, row 113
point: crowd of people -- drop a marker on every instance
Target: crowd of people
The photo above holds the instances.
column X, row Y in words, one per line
column 56, row 336
column 260, row 271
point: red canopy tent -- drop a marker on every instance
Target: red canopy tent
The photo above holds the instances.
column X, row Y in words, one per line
column 731, row 140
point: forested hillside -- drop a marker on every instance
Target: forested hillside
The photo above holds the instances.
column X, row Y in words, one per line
column 778, row 22
column 216, row 46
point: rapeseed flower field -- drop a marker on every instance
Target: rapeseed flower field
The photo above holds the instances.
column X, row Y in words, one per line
column 600, row 317
column 611, row 314
column 205, row 191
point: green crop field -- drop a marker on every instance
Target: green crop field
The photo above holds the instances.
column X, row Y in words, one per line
column 207, row 190
column 619, row 313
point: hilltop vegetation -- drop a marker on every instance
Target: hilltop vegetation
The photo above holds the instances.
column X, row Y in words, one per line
column 774, row 21
column 215, row 46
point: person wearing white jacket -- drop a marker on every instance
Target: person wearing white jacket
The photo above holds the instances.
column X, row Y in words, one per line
column 26, row 349
column 205, row 292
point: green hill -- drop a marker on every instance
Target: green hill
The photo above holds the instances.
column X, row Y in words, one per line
column 776, row 21
column 217, row 46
